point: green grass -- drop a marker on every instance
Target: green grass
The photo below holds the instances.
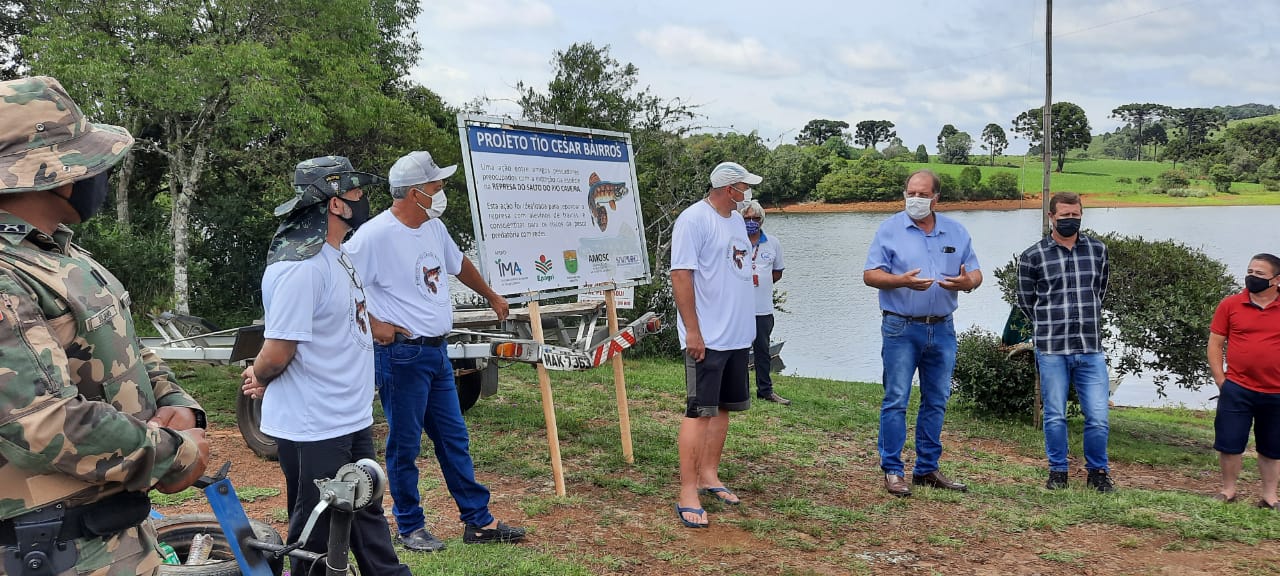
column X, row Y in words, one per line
column 1098, row 177
column 1255, row 120
column 808, row 476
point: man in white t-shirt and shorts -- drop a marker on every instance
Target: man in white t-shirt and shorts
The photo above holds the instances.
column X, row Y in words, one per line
column 711, row 280
column 315, row 371
column 406, row 256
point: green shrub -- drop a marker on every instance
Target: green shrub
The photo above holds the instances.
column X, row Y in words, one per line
column 1003, row 186
column 950, row 188
column 1124, row 180
column 1187, row 193
column 1144, row 180
column 1221, row 177
column 867, row 178
column 1271, row 184
column 1174, row 178
column 986, row 377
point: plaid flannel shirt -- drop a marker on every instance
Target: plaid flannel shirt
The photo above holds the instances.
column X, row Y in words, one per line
column 1061, row 292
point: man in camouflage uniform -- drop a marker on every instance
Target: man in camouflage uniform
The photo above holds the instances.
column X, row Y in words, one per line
column 90, row 420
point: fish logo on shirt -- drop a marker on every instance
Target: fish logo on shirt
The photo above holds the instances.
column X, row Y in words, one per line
column 360, row 316
column 430, row 276
column 738, row 256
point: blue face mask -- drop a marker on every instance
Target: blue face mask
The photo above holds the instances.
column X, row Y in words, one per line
column 753, row 227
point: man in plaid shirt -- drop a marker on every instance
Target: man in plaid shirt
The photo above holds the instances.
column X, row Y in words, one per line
column 1062, row 280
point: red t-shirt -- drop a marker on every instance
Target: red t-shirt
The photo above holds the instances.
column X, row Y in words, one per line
column 1253, row 342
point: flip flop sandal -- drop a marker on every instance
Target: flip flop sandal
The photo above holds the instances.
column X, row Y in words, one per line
column 719, row 492
column 1264, row 505
column 680, row 511
column 1220, row 497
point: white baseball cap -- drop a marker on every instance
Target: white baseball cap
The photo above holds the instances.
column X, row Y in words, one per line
column 724, row 174
column 417, row 168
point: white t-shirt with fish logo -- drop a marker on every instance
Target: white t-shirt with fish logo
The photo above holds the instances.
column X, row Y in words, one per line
column 407, row 272
column 718, row 251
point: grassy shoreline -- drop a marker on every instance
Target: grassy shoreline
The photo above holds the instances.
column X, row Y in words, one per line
column 809, row 479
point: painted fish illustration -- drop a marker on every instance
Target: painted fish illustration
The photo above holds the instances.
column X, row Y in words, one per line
column 360, row 314
column 601, row 194
column 738, row 255
column 430, row 277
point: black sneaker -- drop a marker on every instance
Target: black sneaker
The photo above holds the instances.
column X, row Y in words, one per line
column 421, row 541
column 1101, row 481
column 1058, row 480
column 501, row 533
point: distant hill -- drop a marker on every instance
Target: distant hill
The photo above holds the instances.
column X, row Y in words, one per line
column 1270, row 118
column 1244, row 111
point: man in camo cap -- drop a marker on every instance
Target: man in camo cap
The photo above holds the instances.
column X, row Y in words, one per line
column 90, row 420
column 315, row 371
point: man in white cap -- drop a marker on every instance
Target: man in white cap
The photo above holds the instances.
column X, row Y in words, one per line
column 405, row 256
column 711, row 280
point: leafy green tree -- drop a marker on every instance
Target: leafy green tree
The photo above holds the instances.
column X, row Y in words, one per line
column 868, row 133
column 955, row 149
column 865, row 179
column 994, row 141
column 922, row 155
column 790, row 173
column 1197, row 123
column 1139, row 115
column 896, row 151
column 819, row 130
column 199, row 78
column 1070, row 129
column 1221, row 177
column 836, row 146
column 1156, row 136
column 1161, row 297
column 947, row 132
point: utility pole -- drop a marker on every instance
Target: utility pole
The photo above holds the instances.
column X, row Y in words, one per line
column 1047, row 126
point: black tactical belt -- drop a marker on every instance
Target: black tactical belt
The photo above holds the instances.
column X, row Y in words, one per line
column 105, row 517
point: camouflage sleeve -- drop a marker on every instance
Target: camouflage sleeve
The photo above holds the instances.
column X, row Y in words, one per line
column 164, row 383
column 47, row 427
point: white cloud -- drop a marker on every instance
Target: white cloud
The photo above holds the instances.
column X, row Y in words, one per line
column 486, row 14
column 1139, row 25
column 745, row 55
column 984, row 86
column 874, row 56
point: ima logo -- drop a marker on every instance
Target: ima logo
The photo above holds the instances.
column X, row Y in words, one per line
column 543, row 266
column 508, row 268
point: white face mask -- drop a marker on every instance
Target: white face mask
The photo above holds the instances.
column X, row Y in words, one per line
column 919, row 208
column 438, row 204
column 746, row 198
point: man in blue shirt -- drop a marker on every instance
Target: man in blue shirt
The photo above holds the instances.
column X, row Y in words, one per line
column 919, row 260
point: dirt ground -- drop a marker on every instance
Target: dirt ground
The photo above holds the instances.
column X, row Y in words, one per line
column 643, row 534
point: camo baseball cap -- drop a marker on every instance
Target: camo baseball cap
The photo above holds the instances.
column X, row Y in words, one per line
column 45, row 140
column 322, row 178
column 306, row 215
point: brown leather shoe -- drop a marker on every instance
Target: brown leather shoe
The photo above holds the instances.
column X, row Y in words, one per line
column 937, row 480
column 897, row 485
column 774, row 397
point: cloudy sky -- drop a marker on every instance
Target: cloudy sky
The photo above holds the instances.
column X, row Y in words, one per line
column 773, row 66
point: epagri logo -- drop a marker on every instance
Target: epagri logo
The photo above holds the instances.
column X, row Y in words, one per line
column 543, row 266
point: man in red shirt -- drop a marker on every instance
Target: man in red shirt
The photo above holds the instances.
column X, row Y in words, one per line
column 1249, row 390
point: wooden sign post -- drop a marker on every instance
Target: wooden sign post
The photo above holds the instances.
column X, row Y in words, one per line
column 548, row 403
column 619, row 382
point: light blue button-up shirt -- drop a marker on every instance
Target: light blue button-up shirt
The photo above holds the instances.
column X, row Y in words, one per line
column 901, row 246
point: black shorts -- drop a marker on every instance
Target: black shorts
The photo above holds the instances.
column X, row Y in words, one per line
column 1238, row 409
column 718, row 381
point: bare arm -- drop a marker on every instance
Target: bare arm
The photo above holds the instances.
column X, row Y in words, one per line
column 1216, row 344
column 877, row 278
column 274, row 357
column 385, row 332
column 682, row 287
column 777, row 275
column 470, row 276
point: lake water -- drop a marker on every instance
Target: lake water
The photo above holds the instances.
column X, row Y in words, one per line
column 832, row 329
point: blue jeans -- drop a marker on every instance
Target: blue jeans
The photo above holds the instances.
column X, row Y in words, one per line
column 1093, row 388
column 415, row 385
column 907, row 347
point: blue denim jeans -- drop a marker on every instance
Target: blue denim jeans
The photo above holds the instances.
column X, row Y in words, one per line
column 907, row 347
column 1089, row 374
column 415, row 385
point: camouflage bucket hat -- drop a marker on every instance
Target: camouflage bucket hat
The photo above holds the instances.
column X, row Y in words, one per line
column 45, row 140
column 306, row 223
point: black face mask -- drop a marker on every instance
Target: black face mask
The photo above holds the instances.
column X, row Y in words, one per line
column 1256, row 285
column 359, row 211
column 1067, row 227
column 88, row 195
